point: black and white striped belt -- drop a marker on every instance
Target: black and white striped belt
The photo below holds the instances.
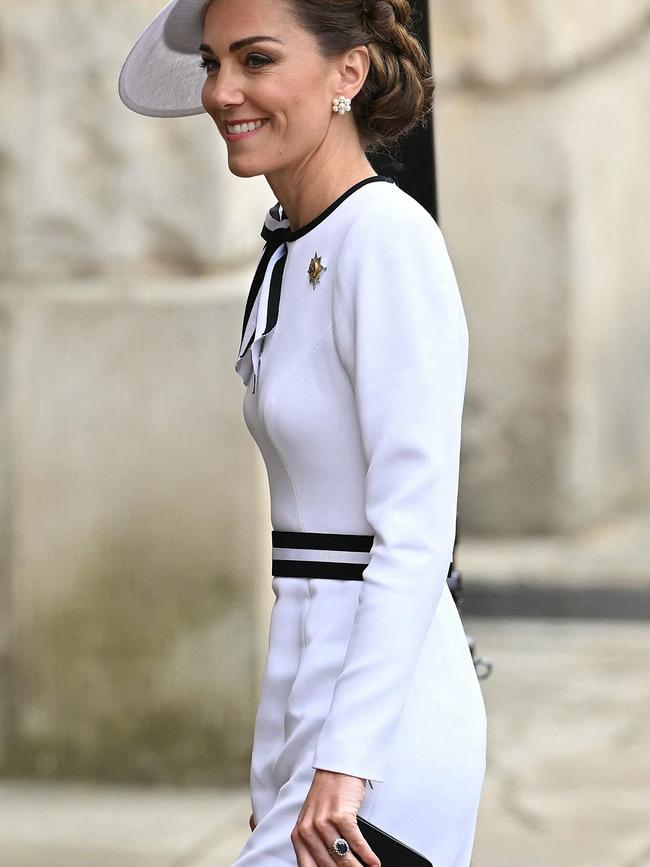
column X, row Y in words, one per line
column 299, row 554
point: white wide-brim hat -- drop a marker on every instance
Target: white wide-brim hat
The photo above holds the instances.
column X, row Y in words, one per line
column 162, row 76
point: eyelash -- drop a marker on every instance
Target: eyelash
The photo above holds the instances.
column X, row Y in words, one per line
column 205, row 61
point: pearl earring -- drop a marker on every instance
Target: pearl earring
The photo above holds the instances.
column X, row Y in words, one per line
column 341, row 104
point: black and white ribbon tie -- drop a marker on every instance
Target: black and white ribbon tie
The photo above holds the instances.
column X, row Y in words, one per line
column 262, row 304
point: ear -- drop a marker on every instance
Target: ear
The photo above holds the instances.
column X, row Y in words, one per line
column 353, row 69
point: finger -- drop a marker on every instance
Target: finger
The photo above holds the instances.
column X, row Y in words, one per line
column 317, row 837
column 322, row 842
column 303, row 854
column 351, row 832
column 328, row 834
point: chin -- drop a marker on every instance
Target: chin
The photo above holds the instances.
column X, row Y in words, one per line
column 244, row 170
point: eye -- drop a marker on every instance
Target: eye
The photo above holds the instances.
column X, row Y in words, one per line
column 206, row 61
column 261, row 57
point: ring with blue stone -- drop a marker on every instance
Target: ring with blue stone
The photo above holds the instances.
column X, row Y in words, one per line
column 339, row 847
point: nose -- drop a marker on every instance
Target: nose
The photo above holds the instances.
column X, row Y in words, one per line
column 221, row 90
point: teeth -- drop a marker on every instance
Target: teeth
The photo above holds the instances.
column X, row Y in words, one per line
column 244, row 127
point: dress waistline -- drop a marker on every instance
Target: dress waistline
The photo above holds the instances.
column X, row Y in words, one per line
column 300, row 554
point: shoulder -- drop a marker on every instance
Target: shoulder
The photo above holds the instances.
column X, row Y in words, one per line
column 388, row 227
column 384, row 211
column 391, row 239
column 393, row 268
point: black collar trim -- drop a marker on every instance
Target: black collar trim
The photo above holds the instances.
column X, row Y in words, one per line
column 284, row 232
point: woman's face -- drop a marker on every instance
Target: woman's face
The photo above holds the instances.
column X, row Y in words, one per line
column 282, row 81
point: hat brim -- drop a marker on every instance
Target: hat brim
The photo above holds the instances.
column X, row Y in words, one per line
column 161, row 76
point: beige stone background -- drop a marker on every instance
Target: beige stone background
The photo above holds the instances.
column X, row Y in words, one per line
column 134, row 525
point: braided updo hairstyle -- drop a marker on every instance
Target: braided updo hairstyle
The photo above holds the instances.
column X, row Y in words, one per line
column 398, row 90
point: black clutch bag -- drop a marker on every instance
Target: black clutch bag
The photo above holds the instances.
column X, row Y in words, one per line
column 390, row 851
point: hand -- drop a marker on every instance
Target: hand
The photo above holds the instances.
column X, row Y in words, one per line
column 251, row 823
column 330, row 811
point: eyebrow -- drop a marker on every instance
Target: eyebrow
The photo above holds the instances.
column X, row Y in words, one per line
column 241, row 43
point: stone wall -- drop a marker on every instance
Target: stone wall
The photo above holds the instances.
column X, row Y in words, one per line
column 134, row 547
column 542, row 130
column 134, row 509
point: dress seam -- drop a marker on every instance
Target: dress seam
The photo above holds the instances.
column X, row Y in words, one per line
column 267, row 406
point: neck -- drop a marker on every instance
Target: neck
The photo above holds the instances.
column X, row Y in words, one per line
column 307, row 190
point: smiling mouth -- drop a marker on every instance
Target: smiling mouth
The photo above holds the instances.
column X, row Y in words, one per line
column 241, row 128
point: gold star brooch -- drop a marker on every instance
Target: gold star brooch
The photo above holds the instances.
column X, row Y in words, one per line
column 315, row 270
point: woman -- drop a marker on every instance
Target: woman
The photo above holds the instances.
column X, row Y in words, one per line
column 354, row 354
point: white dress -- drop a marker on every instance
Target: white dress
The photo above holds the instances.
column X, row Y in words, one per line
column 354, row 352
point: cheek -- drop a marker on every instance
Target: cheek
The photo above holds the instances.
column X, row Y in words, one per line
column 305, row 100
column 308, row 115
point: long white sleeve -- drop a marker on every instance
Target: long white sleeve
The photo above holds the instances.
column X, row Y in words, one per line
column 401, row 334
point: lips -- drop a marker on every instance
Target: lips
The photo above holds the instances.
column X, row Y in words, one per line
column 245, row 125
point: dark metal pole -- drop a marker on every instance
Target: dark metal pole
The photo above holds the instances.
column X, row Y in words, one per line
column 414, row 166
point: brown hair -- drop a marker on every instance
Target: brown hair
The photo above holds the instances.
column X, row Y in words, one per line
column 398, row 90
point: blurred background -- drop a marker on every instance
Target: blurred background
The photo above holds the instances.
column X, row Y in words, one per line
column 134, row 522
